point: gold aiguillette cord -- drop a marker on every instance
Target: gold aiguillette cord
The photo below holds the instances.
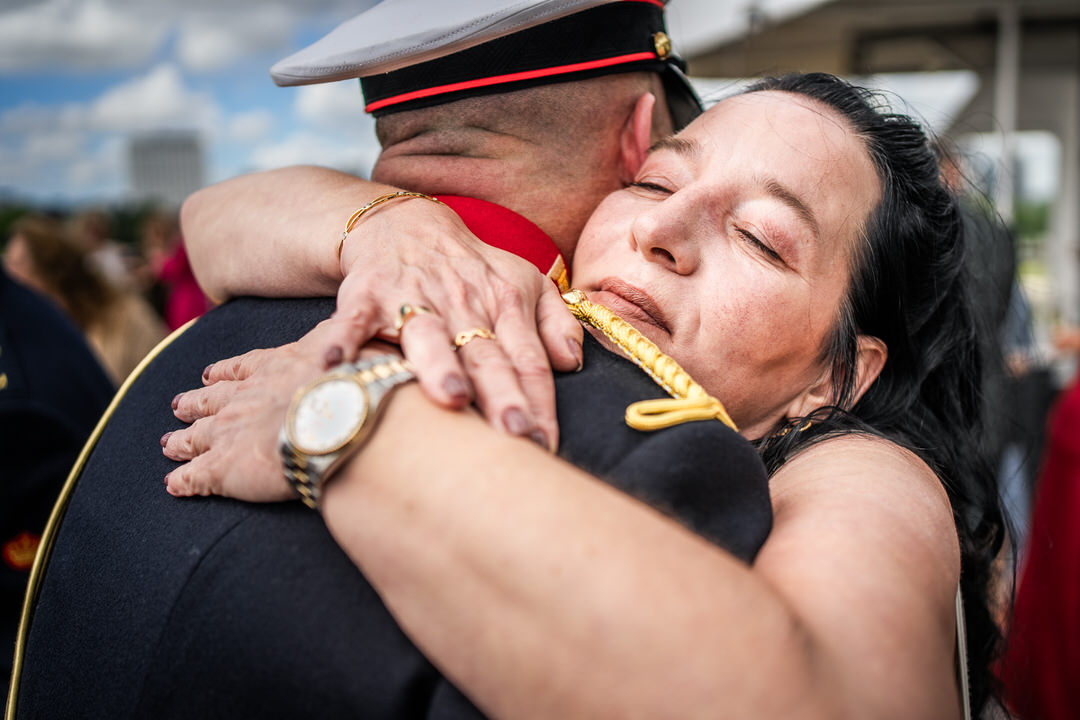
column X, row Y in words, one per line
column 689, row 401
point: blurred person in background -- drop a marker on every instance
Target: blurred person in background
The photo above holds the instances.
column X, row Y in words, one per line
column 1041, row 666
column 52, row 391
column 167, row 261
column 120, row 326
column 90, row 230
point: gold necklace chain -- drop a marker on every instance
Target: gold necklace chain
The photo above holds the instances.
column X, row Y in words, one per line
column 689, row 401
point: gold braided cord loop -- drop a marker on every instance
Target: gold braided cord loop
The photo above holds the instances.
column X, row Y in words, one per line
column 690, row 400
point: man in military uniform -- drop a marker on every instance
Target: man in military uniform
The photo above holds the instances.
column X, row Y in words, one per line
column 52, row 392
column 155, row 607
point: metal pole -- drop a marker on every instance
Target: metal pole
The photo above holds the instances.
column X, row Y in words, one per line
column 1006, row 92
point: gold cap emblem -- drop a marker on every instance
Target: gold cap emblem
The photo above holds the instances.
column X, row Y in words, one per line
column 662, row 43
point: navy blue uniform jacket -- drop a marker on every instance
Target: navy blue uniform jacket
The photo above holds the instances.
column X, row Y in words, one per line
column 52, row 392
column 158, row 607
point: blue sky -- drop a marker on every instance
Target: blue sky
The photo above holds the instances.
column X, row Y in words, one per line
column 80, row 78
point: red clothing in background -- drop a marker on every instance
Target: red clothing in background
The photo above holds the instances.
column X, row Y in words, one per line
column 185, row 299
column 1041, row 667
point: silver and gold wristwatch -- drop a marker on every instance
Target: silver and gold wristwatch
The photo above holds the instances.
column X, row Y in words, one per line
column 331, row 418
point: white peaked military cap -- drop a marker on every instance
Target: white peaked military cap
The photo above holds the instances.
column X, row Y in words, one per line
column 417, row 53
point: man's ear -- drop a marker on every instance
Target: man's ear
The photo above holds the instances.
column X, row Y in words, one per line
column 869, row 360
column 634, row 139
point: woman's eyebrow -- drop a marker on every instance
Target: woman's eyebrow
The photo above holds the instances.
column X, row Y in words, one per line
column 672, row 143
column 785, row 195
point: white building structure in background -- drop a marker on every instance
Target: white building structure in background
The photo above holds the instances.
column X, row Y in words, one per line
column 166, row 167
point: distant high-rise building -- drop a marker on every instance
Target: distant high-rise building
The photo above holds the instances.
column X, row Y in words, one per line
column 166, row 167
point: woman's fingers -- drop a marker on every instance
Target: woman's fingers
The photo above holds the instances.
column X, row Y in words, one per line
column 356, row 320
column 218, row 473
column 481, row 362
column 187, row 443
column 425, row 342
column 560, row 332
column 238, row 367
column 522, row 347
column 203, row 402
column 193, row 478
column 499, row 391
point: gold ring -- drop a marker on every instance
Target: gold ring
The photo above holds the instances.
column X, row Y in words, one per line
column 465, row 337
column 407, row 312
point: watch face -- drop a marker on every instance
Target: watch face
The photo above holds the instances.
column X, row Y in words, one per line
column 327, row 416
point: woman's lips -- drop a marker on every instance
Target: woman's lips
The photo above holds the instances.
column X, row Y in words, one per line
column 630, row 303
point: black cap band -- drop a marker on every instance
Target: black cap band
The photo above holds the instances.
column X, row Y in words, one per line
column 618, row 37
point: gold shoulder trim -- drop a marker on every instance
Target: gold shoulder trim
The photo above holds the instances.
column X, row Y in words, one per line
column 48, row 538
column 689, row 400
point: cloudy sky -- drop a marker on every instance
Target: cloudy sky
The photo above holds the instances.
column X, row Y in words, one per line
column 80, row 78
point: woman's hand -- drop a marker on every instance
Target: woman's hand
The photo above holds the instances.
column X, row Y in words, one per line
column 419, row 253
column 283, row 227
column 231, row 446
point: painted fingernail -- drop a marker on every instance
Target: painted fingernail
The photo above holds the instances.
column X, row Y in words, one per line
column 334, row 356
column 206, row 372
column 165, row 438
column 167, row 480
column 456, row 387
column 575, row 350
column 176, row 401
column 515, row 422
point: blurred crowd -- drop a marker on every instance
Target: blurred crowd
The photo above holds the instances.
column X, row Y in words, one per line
column 124, row 297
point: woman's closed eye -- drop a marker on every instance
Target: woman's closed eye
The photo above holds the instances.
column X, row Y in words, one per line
column 651, row 187
column 758, row 245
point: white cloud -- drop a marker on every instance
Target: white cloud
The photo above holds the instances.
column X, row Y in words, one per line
column 210, row 34
column 155, row 101
column 250, row 126
column 27, row 117
column 209, row 42
column 335, row 106
column 105, row 169
column 65, row 33
column 54, row 145
column 307, row 147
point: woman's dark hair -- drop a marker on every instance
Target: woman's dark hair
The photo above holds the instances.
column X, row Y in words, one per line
column 908, row 288
column 64, row 271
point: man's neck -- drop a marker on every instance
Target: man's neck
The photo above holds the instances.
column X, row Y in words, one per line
column 502, row 178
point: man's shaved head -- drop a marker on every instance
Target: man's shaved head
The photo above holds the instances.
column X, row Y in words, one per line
column 522, row 149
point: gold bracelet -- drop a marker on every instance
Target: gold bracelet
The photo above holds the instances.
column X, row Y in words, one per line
column 355, row 217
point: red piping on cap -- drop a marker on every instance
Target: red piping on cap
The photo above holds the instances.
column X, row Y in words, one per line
column 512, row 77
column 657, row 3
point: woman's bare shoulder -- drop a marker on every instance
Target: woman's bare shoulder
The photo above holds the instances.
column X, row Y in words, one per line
column 868, row 492
column 867, row 464
column 865, row 550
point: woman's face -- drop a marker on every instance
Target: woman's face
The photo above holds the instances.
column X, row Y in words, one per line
column 732, row 249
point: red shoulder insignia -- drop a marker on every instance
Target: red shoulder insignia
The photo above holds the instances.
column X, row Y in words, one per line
column 20, row 550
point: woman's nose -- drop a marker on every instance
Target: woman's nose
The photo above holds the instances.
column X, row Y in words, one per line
column 663, row 235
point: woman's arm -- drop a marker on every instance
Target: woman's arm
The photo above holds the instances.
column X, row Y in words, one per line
column 543, row 592
column 272, row 233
